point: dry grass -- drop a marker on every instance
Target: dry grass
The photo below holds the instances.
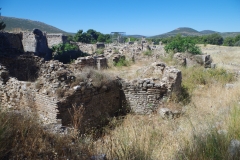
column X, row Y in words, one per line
column 21, row 137
column 195, row 135
column 223, row 56
column 97, row 78
column 150, row 137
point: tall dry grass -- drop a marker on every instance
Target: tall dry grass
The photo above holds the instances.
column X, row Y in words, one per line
column 21, row 137
column 195, row 135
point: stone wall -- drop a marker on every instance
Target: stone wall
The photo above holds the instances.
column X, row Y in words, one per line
column 11, row 40
column 36, row 42
column 90, row 61
column 29, row 42
column 47, row 108
column 145, row 95
column 55, row 39
column 24, row 67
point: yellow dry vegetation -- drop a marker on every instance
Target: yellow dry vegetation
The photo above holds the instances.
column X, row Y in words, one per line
column 204, row 130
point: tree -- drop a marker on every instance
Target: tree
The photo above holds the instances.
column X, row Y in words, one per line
column 237, row 38
column 93, row 34
column 182, row 44
column 2, row 25
column 215, row 39
column 101, row 38
column 228, row 41
column 82, row 37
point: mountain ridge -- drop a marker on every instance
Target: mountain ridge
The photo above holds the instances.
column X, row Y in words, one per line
column 186, row 31
column 20, row 24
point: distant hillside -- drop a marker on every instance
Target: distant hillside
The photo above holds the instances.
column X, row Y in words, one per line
column 135, row 36
column 19, row 24
column 185, row 31
column 229, row 34
column 208, row 32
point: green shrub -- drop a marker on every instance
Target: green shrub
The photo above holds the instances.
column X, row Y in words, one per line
column 122, row 62
column 67, row 52
column 100, row 51
column 182, row 44
column 237, row 43
column 148, row 53
column 64, row 47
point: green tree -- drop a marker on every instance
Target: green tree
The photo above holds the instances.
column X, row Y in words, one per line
column 70, row 38
column 237, row 38
column 215, row 39
column 101, row 38
column 93, row 34
column 82, row 37
column 2, row 25
column 182, row 44
column 228, row 41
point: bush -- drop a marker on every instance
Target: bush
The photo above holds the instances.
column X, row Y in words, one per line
column 228, row 41
column 148, row 53
column 122, row 62
column 67, row 52
column 237, row 43
column 182, row 44
column 100, row 51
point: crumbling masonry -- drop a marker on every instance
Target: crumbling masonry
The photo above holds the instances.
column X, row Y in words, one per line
column 51, row 88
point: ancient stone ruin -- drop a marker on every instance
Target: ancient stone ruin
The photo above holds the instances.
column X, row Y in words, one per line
column 29, row 83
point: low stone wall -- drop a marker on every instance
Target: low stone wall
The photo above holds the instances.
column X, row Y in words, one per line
column 145, row 95
column 90, row 61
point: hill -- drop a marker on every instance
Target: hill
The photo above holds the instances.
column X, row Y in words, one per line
column 19, row 24
column 208, row 32
column 185, row 31
column 135, row 36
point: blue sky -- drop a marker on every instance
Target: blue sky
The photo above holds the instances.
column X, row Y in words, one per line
column 145, row 17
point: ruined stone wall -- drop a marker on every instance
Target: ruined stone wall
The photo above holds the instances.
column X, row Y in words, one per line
column 19, row 95
column 36, row 42
column 90, row 61
column 55, row 39
column 47, row 108
column 11, row 40
column 99, row 104
column 24, row 67
column 86, row 48
column 145, row 95
column 29, row 42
